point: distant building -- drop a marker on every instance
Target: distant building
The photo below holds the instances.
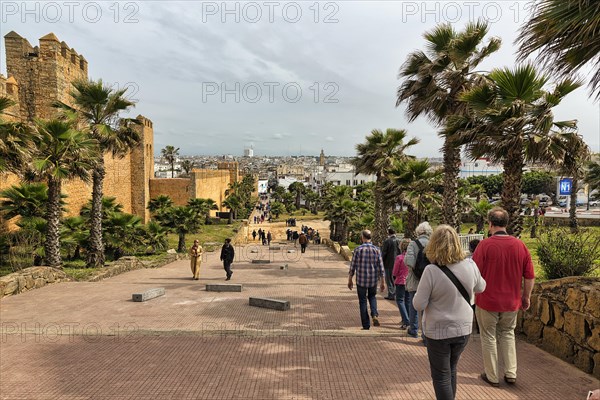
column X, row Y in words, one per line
column 479, row 167
column 322, row 158
column 249, row 152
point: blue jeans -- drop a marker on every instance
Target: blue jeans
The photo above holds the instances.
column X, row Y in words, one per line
column 402, row 298
column 413, row 316
column 443, row 357
column 365, row 293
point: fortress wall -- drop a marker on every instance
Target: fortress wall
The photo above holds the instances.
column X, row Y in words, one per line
column 178, row 189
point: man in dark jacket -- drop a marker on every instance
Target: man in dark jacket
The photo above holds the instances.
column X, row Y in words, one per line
column 227, row 255
column 389, row 251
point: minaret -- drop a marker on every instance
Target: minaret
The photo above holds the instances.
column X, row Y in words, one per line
column 322, row 158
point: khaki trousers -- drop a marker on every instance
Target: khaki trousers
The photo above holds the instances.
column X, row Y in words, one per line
column 497, row 333
column 195, row 262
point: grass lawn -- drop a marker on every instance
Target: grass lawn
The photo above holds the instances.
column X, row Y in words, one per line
column 215, row 233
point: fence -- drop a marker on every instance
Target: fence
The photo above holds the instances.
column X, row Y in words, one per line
column 465, row 239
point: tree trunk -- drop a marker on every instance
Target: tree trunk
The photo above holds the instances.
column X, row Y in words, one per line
column 480, row 223
column 181, row 243
column 450, row 214
column 536, row 214
column 573, row 224
column 411, row 222
column 511, row 189
column 52, row 245
column 95, row 253
column 230, row 220
column 381, row 215
column 344, row 234
column 172, row 170
column 297, row 199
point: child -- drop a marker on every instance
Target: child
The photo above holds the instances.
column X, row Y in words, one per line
column 399, row 274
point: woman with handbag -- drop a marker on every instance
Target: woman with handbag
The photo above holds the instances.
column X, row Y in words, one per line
column 444, row 294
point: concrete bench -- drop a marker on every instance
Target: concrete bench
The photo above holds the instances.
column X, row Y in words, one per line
column 261, row 261
column 223, row 287
column 281, row 305
column 274, row 248
column 148, row 294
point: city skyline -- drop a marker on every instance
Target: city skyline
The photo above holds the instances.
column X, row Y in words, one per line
column 288, row 79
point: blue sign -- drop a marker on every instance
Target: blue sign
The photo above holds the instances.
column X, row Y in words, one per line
column 565, row 186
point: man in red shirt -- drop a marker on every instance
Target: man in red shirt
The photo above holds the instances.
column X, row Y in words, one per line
column 505, row 263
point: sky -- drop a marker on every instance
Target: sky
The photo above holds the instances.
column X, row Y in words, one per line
column 287, row 78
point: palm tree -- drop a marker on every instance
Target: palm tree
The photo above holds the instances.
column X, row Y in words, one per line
column 592, row 176
column 234, row 204
column 573, row 162
column 159, row 204
column 15, row 141
column 375, row 156
column 480, row 211
column 156, row 237
column 181, row 220
column 433, row 83
column 565, row 35
column 298, row 189
column 187, row 166
column 277, row 208
column 99, row 106
column 27, row 200
column 61, row 153
column 312, row 198
column 510, row 121
column 169, row 154
column 411, row 183
column 203, row 207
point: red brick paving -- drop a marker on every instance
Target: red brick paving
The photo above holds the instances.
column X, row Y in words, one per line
column 90, row 341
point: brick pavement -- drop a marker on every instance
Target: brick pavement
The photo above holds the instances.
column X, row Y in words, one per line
column 82, row 340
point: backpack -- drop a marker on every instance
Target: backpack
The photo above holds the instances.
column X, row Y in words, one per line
column 421, row 262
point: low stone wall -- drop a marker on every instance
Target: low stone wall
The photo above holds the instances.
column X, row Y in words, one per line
column 344, row 251
column 125, row 264
column 29, row 279
column 564, row 319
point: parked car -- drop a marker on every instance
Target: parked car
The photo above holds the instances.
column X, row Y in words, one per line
column 594, row 203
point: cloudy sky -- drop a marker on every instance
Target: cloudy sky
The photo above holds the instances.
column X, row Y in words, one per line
column 287, row 78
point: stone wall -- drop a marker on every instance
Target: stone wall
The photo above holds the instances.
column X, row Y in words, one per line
column 564, row 319
column 211, row 184
column 178, row 189
column 344, row 251
column 28, row 279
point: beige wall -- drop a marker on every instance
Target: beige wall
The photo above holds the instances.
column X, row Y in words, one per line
column 211, row 184
column 178, row 189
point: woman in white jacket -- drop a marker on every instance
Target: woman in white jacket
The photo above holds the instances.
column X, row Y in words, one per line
column 448, row 316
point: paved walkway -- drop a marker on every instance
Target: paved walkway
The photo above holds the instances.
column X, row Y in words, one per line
column 81, row 340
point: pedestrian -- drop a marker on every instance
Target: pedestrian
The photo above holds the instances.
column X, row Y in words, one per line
column 227, row 256
column 399, row 273
column 415, row 260
column 195, row 259
column 505, row 263
column 303, row 240
column 389, row 252
column 269, row 238
column 295, row 237
column 444, row 294
column 254, row 235
column 368, row 266
column 470, row 231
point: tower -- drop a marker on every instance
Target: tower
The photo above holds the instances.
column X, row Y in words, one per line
column 322, row 158
column 142, row 169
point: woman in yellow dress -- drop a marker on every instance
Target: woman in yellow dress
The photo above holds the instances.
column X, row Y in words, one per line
column 196, row 259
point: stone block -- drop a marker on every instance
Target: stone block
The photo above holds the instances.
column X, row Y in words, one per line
column 546, row 312
column 11, row 287
column 281, row 305
column 558, row 343
column 575, row 325
column 584, row 360
column 594, row 339
column 532, row 328
column 39, row 282
column 148, row 294
column 29, row 283
column 592, row 305
column 575, row 299
column 596, row 371
column 261, row 261
column 346, row 253
column 171, row 251
column 274, row 248
column 534, row 305
column 291, row 251
column 559, row 319
column 37, row 273
column 223, row 287
column 253, row 251
column 336, row 247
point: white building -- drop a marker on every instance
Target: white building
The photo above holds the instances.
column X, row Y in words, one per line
column 249, row 152
column 481, row 166
column 338, row 174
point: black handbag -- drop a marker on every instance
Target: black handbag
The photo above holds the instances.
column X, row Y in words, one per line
column 456, row 282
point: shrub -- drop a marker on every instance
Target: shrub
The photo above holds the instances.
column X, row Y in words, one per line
column 564, row 254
